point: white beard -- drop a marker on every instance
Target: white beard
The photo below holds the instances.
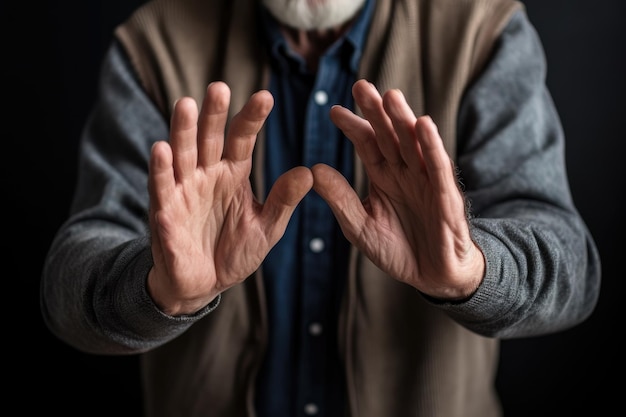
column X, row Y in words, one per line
column 313, row 14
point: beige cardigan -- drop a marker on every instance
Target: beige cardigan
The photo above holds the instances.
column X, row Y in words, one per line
column 403, row 357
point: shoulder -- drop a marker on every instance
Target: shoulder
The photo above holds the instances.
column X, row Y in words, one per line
column 461, row 5
column 177, row 46
column 162, row 16
column 499, row 10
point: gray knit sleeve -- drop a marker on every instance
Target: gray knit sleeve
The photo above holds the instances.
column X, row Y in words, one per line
column 93, row 289
column 543, row 269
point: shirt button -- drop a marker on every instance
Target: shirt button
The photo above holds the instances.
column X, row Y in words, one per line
column 316, row 245
column 315, row 329
column 321, row 97
column 310, row 409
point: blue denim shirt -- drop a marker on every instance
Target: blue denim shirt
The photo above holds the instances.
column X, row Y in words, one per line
column 304, row 273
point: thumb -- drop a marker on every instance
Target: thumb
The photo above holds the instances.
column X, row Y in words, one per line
column 283, row 198
column 342, row 199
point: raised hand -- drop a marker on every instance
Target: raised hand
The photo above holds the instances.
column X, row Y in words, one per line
column 413, row 223
column 208, row 230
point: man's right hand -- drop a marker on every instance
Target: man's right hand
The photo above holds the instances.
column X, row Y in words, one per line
column 208, row 230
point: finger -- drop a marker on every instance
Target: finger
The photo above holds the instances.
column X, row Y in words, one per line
column 161, row 184
column 360, row 133
column 283, row 198
column 438, row 164
column 161, row 181
column 371, row 104
column 183, row 137
column 341, row 198
column 212, row 123
column 246, row 125
column 403, row 120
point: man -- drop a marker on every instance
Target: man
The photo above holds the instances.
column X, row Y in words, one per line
column 369, row 196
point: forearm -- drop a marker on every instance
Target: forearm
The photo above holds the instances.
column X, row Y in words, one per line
column 540, row 276
column 92, row 291
column 542, row 268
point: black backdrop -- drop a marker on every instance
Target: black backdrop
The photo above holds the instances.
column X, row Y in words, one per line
column 51, row 57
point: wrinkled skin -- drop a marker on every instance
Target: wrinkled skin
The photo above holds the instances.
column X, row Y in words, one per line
column 209, row 232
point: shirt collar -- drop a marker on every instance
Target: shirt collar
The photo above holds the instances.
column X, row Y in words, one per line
column 356, row 35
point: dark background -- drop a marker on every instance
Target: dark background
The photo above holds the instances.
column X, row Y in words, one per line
column 50, row 61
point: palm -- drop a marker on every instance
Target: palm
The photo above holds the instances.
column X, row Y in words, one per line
column 413, row 223
column 209, row 231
